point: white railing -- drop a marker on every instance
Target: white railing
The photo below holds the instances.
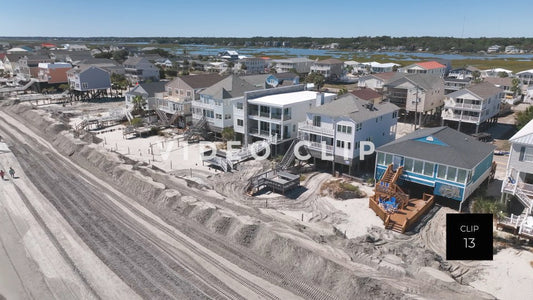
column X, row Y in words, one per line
column 462, row 105
column 320, row 146
column 317, row 129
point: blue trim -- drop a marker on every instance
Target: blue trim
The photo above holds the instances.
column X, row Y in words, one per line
column 431, row 140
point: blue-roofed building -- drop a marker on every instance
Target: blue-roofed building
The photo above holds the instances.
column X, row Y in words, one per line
column 453, row 164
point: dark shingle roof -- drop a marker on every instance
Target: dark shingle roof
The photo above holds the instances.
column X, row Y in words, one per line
column 456, row 149
column 202, row 80
column 356, row 109
column 366, row 94
column 229, row 87
column 151, row 88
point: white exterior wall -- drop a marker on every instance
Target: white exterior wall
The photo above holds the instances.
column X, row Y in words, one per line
column 371, row 83
column 489, row 107
column 379, row 132
column 221, row 107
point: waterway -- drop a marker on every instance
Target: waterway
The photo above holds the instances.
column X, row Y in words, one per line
column 208, row 50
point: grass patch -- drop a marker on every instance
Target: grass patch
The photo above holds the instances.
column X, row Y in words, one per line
column 340, row 189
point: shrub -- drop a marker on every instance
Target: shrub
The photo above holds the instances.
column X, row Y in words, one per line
column 487, row 205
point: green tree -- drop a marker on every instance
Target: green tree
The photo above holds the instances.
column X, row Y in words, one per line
column 523, row 117
column 317, row 79
column 342, row 91
column 64, row 87
column 137, row 122
column 515, row 88
column 120, row 55
column 476, row 77
column 138, row 105
column 104, row 55
column 228, row 134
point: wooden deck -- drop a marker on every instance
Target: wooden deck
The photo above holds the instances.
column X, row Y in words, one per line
column 403, row 218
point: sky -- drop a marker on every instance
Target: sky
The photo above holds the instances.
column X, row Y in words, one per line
column 288, row 18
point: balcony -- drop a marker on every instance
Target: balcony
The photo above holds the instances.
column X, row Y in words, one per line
column 326, row 130
column 451, row 104
column 320, row 147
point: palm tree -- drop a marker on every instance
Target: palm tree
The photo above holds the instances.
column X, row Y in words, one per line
column 138, row 105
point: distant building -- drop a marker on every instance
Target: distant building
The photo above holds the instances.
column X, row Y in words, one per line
column 419, row 93
column 475, row 104
column 526, row 76
column 429, row 67
column 29, row 64
column 494, row 48
column 496, row 72
column 139, row 69
column 332, row 69
column 297, row 64
column 88, row 79
column 378, row 81
column 53, row 72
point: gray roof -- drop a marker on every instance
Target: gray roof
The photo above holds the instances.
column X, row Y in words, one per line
column 258, row 80
column 201, row 80
column 356, row 109
column 424, row 81
column 524, row 135
column 483, row 90
column 134, row 60
column 150, row 88
column 229, row 87
column 455, row 148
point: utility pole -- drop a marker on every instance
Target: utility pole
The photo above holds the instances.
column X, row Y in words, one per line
column 416, row 106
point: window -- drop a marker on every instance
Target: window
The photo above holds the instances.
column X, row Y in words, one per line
column 388, row 159
column 227, row 116
column 395, row 115
column 189, row 93
column 84, row 85
column 526, row 154
column 349, row 145
column 419, row 166
column 408, row 164
column 239, row 105
column 428, row 169
column 450, row 175
column 359, row 126
column 219, row 116
column 356, row 145
column 240, row 122
column 316, row 121
column 441, row 173
column 461, row 176
column 344, row 129
column 381, row 157
column 181, row 92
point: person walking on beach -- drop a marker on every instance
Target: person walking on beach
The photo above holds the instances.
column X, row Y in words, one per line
column 11, row 172
column 2, row 173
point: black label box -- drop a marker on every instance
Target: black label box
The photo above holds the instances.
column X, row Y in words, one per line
column 469, row 236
